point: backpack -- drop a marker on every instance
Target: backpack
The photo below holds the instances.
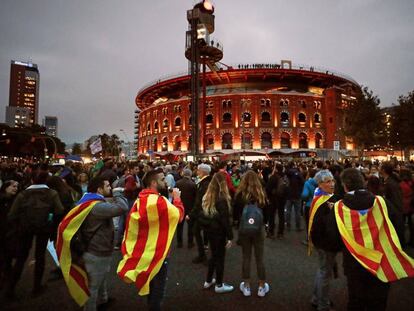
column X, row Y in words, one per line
column 38, row 210
column 251, row 220
column 282, row 186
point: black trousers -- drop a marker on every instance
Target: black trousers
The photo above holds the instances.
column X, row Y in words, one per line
column 26, row 241
column 367, row 293
column 200, row 240
column 271, row 216
column 180, row 230
column 216, row 261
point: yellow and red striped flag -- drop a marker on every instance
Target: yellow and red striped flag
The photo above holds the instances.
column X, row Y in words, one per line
column 75, row 275
column 372, row 240
column 319, row 198
column 148, row 234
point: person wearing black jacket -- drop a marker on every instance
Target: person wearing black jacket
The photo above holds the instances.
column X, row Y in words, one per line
column 203, row 172
column 215, row 220
column 365, row 290
column 188, row 193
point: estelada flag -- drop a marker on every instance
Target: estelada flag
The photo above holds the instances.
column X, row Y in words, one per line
column 148, row 234
column 372, row 240
column 74, row 274
column 319, row 198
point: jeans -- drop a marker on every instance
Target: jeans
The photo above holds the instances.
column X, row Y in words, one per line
column 216, row 261
column 297, row 204
column 247, row 244
column 97, row 269
column 180, row 229
column 157, row 288
column 271, row 215
column 199, row 239
column 325, row 271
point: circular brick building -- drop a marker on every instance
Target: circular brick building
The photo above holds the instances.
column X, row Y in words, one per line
column 252, row 108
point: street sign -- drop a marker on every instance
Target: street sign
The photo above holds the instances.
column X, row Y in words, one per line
column 336, row 145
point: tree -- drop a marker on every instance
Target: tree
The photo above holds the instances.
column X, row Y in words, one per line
column 402, row 123
column 364, row 120
column 76, row 149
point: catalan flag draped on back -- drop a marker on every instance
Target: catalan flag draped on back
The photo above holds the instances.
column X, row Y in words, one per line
column 74, row 274
column 319, row 198
column 148, row 234
column 372, row 240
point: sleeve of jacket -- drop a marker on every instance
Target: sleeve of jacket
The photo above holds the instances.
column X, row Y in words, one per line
column 15, row 210
column 109, row 210
column 305, row 192
column 225, row 218
column 180, row 206
column 58, row 208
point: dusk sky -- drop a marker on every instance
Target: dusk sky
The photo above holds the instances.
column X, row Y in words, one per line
column 94, row 55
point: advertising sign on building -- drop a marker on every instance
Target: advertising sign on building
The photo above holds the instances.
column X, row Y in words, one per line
column 336, row 145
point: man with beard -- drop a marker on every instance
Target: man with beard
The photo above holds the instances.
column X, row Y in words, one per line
column 148, row 235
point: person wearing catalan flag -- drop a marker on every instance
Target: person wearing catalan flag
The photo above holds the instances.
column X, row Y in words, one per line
column 92, row 219
column 372, row 254
column 321, row 206
column 148, row 235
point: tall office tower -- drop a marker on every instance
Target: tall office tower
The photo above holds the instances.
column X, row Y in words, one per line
column 17, row 116
column 24, row 88
column 51, row 125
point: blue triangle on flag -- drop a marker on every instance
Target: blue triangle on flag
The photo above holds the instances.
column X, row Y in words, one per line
column 363, row 212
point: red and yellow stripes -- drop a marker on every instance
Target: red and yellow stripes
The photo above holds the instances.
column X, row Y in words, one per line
column 75, row 276
column 149, row 231
column 317, row 201
column 371, row 238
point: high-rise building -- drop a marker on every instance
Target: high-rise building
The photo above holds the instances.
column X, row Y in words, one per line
column 24, row 88
column 17, row 116
column 51, row 125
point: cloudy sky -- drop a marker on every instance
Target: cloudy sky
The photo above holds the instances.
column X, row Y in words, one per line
column 94, row 55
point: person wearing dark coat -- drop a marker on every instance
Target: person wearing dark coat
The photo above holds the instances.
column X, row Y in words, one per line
column 188, row 190
column 203, row 172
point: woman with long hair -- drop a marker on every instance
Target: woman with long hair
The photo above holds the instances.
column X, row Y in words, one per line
column 215, row 220
column 251, row 192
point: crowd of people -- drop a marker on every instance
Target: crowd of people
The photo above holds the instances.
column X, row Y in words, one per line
column 364, row 210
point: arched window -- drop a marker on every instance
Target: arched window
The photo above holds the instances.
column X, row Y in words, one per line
column 226, row 104
column 284, row 103
column 247, row 141
column 148, row 145
column 318, row 140
column 164, row 146
column 246, row 117
column 284, row 118
column 227, row 141
column 209, row 142
column 165, row 124
column 209, row 119
column 284, row 140
column 266, row 140
column 227, row 117
column 177, row 143
column 177, row 122
column 190, row 121
column 155, row 144
column 317, row 118
column 301, row 119
column 265, row 116
column 148, row 127
column 302, row 104
column 303, row 140
column 156, row 127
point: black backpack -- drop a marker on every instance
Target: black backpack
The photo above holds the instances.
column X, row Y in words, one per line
column 37, row 210
column 251, row 220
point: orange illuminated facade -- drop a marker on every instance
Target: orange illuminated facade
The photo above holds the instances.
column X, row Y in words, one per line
column 255, row 107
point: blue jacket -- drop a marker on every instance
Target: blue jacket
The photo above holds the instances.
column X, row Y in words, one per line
column 308, row 191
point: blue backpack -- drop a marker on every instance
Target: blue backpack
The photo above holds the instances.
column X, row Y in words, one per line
column 251, row 221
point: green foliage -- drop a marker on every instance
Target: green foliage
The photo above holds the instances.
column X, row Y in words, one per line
column 76, row 149
column 402, row 122
column 364, row 120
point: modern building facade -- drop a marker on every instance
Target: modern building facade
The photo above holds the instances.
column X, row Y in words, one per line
column 261, row 108
column 24, row 88
column 17, row 116
column 51, row 125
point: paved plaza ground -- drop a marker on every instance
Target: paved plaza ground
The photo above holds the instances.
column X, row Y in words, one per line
column 289, row 271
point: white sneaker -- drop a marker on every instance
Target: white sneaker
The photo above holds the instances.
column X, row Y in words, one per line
column 224, row 288
column 245, row 290
column 207, row 285
column 263, row 290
